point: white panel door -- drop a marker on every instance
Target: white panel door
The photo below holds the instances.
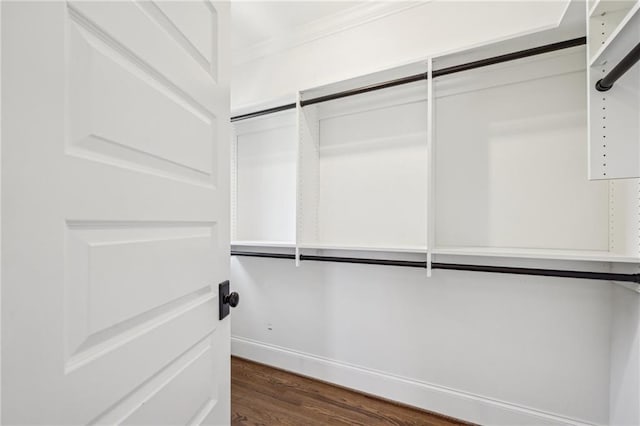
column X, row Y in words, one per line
column 115, row 212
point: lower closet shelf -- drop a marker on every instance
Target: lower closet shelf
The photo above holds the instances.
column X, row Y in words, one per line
column 551, row 254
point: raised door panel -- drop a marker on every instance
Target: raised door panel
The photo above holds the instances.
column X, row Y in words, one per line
column 197, row 24
column 120, row 113
column 156, row 44
column 187, row 393
column 121, row 275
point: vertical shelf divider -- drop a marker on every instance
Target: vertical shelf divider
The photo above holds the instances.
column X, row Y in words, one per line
column 233, row 181
column 308, row 176
column 298, row 178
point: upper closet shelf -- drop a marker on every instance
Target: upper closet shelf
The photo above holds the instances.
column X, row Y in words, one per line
column 625, row 16
column 600, row 7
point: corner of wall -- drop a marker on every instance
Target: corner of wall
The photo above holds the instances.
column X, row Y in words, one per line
column 624, row 384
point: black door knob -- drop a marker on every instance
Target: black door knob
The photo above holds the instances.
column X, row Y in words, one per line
column 226, row 299
column 232, row 299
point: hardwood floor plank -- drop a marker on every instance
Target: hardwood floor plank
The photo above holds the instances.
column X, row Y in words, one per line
column 261, row 395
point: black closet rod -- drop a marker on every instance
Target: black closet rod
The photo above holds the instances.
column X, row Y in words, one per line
column 423, row 76
column 619, row 70
column 365, row 89
column 547, row 48
column 453, row 69
column 263, row 112
column 606, row 276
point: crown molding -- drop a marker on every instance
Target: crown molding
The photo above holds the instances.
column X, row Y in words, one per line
column 323, row 27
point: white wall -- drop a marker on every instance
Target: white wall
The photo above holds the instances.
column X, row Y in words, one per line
column 495, row 349
column 483, row 347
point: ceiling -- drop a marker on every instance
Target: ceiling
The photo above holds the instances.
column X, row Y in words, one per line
column 256, row 21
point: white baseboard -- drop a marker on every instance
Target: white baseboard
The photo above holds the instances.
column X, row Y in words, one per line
column 438, row 399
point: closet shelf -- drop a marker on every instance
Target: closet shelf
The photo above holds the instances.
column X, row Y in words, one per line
column 396, row 249
column 518, row 253
column 600, row 7
column 617, row 44
column 275, row 244
column 551, row 254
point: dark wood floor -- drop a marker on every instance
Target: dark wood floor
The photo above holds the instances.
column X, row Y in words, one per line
column 262, row 395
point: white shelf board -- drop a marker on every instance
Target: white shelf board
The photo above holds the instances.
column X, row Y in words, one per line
column 282, row 244
column 595, row 9
column 399, row 249
column 607, row 6
column 553, row 254
column 622, row 31
column 265, row 104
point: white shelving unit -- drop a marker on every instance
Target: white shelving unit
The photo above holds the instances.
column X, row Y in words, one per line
column 264, row 162
column 488, row 162
column 614, row 118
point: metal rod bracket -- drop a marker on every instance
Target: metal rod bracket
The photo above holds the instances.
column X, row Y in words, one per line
column 601, row 88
